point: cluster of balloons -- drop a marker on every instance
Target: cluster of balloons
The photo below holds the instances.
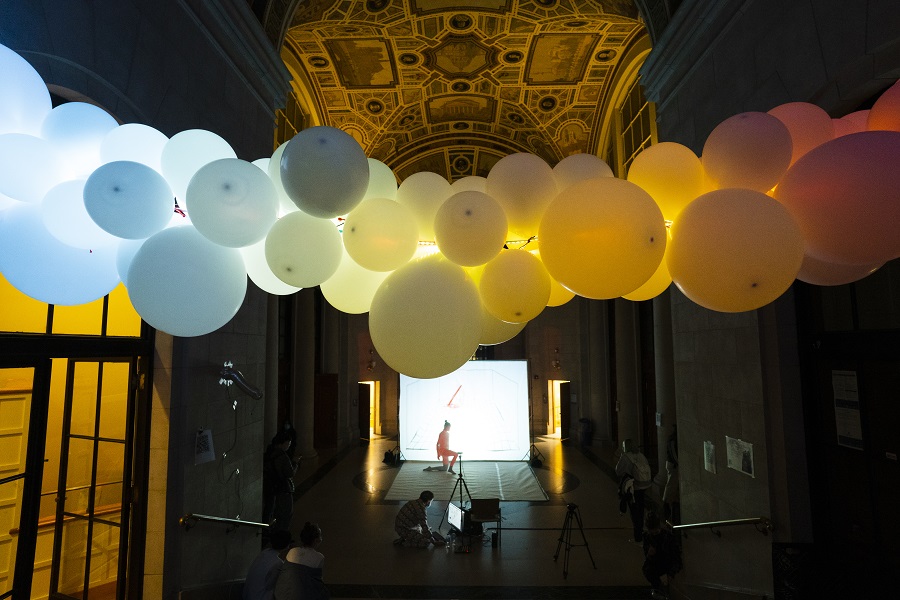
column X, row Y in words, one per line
column 86, row 203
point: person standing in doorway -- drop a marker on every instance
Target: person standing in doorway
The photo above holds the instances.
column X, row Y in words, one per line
column 278, row 475
column 634, row 464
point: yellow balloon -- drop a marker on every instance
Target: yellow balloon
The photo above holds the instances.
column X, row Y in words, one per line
column 559, row 295
column 352, row 287
column 515, row 286
column 656, row 285
column 734, row 250
column 425, row 319
column 380, row 234
column 524, row 185
column 494, row 331
column 470, row 228
column 578, row 167
column 750, row 150
column 602, row 238
column 672, row 175
column 303, row 251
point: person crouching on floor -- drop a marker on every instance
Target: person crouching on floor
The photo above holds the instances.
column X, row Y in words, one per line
column 411, row 523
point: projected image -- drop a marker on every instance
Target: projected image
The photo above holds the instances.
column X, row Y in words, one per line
column 486, row 403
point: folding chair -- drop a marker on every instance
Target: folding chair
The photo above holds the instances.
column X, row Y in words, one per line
column 487, row 510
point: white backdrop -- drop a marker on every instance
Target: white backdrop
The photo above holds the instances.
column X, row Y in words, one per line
column 486, row 402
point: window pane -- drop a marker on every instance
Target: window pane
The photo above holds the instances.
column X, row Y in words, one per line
column 84, row 397
column 104, row 560
column 122, row 319
column 108, row 493
column 20, row 313
column 72, row 559
column 78, row 476
column 84, row 319
column 114, row 400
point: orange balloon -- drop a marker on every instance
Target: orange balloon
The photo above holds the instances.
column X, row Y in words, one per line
column 885, row 113
column 751, row 150
column 809, row 125
column 602, row 238
column 734, row 250
column 852, row 123
column 845, row 196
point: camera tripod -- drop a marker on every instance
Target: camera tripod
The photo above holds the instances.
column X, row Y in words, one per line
column 565, row 537
column 459, row 485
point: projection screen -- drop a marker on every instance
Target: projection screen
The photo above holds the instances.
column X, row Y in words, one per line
column 486, row 402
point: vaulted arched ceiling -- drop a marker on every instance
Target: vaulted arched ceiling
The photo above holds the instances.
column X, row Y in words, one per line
column 451, row 86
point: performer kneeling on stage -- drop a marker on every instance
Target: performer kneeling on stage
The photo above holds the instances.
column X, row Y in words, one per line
column 411, row 523
column 448, row 457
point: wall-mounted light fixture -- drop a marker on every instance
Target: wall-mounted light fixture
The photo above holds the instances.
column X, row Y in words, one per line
column 370, row 366
column 555, row 362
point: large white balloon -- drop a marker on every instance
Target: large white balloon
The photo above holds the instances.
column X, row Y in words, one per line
column 352, row 287
column 382, row 181
column 470, row 228
column 29, row 167
column 67, row 220
column 258, row 269
column 77, row 129
column 579, row 167
column 24, row 100
column 128, row 199
column 136, row 143
column 524, row 185
column 186, row 152
column 472, row 183
column 423, row 193
column 183, row 284
column 285, row 204
column 303, row 251
column 324, row 171
column 124, row 255
column 232, row 202
column 42, row 267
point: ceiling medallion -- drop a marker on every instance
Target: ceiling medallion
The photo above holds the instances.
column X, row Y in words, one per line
column 574, row 24
column 375, row 6
column 605, row 55
column 460, row 56
column 461, row 22
column 318, row 62
column 409, row 59
column 513, row 56
column 374, row 107
column 460, row 126
column 547, row 103
column 460, row 86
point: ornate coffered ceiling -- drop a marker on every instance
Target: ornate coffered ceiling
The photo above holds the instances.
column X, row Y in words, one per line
column 451, row 86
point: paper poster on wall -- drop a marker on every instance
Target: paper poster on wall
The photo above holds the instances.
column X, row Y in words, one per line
column 709, row 457
column 740, row 455
column 203, row 447
column 846, row 409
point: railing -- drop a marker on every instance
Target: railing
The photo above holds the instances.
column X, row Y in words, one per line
column 48, row 522
column 762, row 524
column 191, row 519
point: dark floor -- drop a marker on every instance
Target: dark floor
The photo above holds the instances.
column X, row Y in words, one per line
column 344, row 493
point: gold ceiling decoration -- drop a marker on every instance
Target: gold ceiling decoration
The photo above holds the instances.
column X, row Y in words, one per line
column 451, row 86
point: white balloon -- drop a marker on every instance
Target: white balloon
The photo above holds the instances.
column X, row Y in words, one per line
column 352, row 287
column 524, row 185
column 380, row 234
column 25, row 100
column 7, row 202
column 324, row 171
column 136, row 143
column 128, row 199
column 578, row 167
column 285, row 204
column 382, row 181
column 183, row 284
column 42, row 267
column 66, row 218
column 124, row 255
column 303, row 251
column 232, row 202
column 186, row 152
column 472, row 183
column 424, row 193
column 258, row 269
column 77, row 129
column 29, row 167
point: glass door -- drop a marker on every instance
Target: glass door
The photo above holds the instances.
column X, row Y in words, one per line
column 93, row 494
column 15, row 411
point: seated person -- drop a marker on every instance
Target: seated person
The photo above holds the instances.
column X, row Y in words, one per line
column 411, row 523
column 263, row 572
column 301, row 574
column 662, row 555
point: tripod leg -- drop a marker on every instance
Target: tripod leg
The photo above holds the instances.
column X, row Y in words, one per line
column 562, row 535
column 568, row 545
column 584, row 539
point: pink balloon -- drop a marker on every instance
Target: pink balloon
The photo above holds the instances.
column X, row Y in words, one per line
column 845, row 196
column 819, row 272
column 810, row 126
column 751, row 150
column 885, row 113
